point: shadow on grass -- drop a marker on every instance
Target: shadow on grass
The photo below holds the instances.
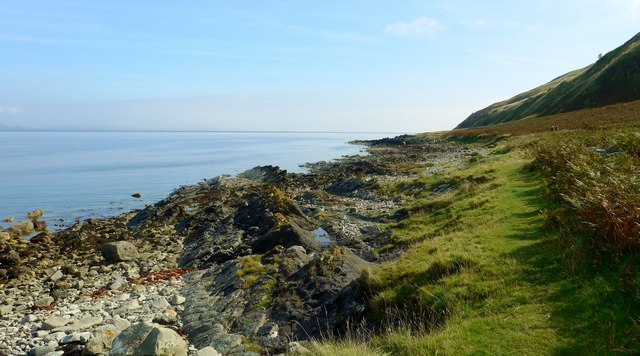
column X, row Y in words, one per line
column 597, row 309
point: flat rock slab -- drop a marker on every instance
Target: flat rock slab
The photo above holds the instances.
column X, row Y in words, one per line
column 54, row 322
column 82, row 324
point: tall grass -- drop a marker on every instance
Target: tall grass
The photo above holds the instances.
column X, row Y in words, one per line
column 595, row 177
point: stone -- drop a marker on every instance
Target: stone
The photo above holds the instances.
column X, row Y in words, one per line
column 29, row 319
column 167, row 317
column 44, row 301
column 119, row 251
column 21, row 229
column 57, row 336
column 148, row 339
column 269, row 330
column 35, row 214
column 61, row 292
column 163, row 341
column 132, row 304
column 207, row 351
column 160, row 304
column 76, row 337
column 137, row 195
column 5, row 235
column 85, row 337
column 612, row 150
column 54, row 322
column 85, row 323
column 8, row 257
column 120, row 323
column 6, row 310
column 296, row 348
column 118, row 283
column 88, row 322
column 177, row 300
column 100, row 344
column 41, row 350
column 56, row 276
column 44, row 237
column 226, row 342
column 73, row 337
column 39, row 225
column 9, row 220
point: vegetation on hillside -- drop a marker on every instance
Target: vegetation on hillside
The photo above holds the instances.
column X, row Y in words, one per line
column 604, row 118
column 594, row 176
column 614, row 78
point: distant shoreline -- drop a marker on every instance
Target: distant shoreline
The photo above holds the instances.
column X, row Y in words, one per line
column 212, row 131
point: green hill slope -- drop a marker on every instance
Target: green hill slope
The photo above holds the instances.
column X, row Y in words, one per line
column 614, row 78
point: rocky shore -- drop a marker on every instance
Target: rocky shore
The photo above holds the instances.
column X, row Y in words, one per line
column 246, row 265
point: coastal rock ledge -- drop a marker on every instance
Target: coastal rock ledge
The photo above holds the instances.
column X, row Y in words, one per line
column 254, row 264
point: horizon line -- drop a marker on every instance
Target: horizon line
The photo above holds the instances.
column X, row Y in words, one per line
column 202, row 131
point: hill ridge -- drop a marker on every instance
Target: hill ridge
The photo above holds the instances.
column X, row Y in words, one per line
column 614, row 78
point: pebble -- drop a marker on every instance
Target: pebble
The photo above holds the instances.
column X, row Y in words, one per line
column 6, row 310
column 41, row 350
column 56, row 276
column 57, row 336
column 76, row 337
column 118, row 283
column 76, row 318
column 29, row 319
column 44, row 301
column 55, row 322
column 178, row 299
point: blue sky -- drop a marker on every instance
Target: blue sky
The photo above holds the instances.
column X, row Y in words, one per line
column 401, row 66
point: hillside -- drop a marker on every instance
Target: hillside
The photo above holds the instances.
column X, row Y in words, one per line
column 614, row 78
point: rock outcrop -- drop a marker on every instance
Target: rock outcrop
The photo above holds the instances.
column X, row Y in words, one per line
column 233, row 266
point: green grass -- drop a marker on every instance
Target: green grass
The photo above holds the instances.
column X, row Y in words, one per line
column 344, row 348
column 482, row 277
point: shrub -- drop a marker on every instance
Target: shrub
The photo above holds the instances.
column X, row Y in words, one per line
column 595, row 178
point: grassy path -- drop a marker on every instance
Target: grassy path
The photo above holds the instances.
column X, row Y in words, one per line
column 481, row 279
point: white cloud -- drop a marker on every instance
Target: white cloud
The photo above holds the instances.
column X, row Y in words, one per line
column 9, row 110
column 422, row 26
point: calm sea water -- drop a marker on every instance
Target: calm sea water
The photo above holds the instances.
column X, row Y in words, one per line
column 72, row 176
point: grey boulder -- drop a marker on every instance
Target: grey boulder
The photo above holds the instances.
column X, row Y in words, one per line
column 148, row 339
column 119, row 251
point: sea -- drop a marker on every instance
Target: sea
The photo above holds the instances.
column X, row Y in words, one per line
column 77, row 175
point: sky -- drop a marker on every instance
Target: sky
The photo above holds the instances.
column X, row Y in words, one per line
column 290, row 65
